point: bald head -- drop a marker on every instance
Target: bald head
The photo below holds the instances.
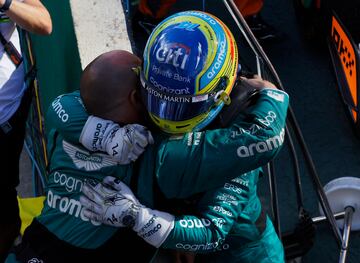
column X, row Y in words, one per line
column 108, row 85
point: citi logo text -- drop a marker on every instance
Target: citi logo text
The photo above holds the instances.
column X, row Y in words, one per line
column 176, row 56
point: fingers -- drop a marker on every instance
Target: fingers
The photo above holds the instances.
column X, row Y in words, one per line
column 122, row 188
column 117, row 184
column 91, row 206
column 142, row 135
column 114, row 182
column 132, row 157
column 138, row 138
column 91, row 193
column 91, row 215
column 150, row 137
column 138, row 149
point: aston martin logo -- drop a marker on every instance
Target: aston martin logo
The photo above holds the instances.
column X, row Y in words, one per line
column 86, row 160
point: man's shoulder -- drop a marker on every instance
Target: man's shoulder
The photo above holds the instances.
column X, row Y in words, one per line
column 66, row 110
column 75, row 95
column 275, row 94
column 66, row 102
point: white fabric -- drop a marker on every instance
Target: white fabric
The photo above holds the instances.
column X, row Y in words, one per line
column 95, row 131
column 154, row 226
column 123, row 144
column 113, row 203
column 12, row 84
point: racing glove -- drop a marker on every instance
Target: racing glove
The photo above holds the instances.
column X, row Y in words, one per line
column 124, row 144
column 113, row 203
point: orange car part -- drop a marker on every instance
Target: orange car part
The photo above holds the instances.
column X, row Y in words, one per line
column 346, row 54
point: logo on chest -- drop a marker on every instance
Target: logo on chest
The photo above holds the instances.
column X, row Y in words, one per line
column 86, row 160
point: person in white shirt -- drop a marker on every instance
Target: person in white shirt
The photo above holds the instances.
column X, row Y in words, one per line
column 15, row 100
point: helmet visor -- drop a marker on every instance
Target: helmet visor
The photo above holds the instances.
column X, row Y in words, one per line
column 174, row 107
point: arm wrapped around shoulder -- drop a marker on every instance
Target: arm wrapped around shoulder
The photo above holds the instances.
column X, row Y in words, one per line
column 113, row 203
column 124, row 144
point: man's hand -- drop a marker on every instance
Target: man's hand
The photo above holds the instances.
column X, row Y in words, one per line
column 113, row 203
column 258, row 83
column 124, row 144
column 128, row 143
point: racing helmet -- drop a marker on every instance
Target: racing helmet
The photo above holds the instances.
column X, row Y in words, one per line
column 189, row 68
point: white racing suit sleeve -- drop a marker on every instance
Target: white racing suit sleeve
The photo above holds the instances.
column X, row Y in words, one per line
column 113, row 203
column 124, row 144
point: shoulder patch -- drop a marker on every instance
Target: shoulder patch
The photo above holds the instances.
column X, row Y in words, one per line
column 275, row 95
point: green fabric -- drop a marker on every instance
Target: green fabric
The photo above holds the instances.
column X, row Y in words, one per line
column 229, row 211
column 57, row 56
column 268, row 249
column 11, row 259
column 193, row 159
column 249, row 142
column 70, row 165
column 183, row 166
column 226, row 223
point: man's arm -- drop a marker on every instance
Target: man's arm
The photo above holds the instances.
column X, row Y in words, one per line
column 67, row 115
column 203, row 160
column 30, row 15
column 214, row 216
column 199, row 161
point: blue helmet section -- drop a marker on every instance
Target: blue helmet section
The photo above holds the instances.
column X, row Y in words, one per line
column 189, row 58
column 176, row 64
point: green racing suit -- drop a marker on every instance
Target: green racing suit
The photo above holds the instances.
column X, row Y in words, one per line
column 181, row 167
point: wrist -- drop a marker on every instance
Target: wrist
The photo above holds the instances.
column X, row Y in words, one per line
column 95, row 133
column 131, row 217
column 5, row 5
column 154, row 226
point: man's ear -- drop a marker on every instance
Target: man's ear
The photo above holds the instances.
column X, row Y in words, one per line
column 135, row 98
